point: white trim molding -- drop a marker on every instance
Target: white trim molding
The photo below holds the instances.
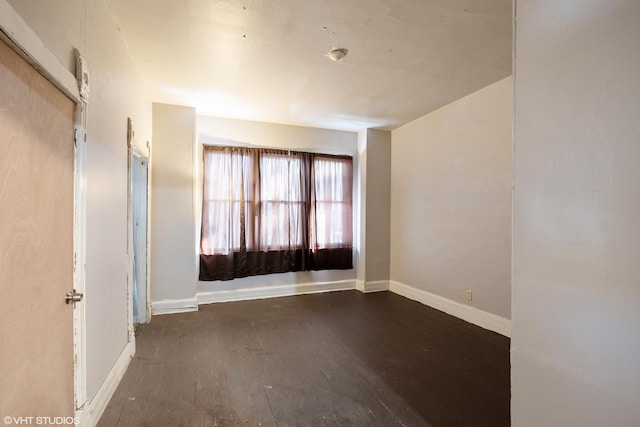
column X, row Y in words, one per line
column 171, row 306
column 375, row 286
column 191, row 304
column 27, row 44
column 470, row 314
column 94, row 408
column 275, row 291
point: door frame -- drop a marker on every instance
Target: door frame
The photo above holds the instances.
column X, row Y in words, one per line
column 24, row 41
column 136, row 150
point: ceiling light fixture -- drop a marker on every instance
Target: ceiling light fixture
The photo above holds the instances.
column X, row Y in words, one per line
column 337, row 54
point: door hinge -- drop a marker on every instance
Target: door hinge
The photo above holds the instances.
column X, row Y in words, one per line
column 73, row 297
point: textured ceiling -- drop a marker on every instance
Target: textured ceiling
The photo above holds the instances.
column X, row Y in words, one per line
column 265, row 59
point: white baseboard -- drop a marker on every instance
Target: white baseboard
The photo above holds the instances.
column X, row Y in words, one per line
column 174, row 306
column 94, row 408
column 465, row 312
column 274, row 291
column 376, row 286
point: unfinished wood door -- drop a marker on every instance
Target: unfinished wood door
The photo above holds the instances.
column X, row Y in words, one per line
column 36, row 243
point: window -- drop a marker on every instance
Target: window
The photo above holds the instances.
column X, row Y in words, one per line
column 333, row 184
column 281, row 202
column 270, row 211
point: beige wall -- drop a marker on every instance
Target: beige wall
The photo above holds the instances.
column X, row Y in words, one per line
column 451, row 200
column 116, row 93
column 173, row 266
column 576, row 287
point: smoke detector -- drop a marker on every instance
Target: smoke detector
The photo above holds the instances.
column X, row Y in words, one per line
column 337, row 54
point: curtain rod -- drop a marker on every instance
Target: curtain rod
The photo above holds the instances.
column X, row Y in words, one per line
column 223, row 142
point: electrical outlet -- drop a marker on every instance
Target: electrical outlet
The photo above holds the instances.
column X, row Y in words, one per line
column 469, row 295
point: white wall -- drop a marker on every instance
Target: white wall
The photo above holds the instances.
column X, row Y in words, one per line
column 173, row 239
column 360, row 199
column 230, row 132
column 378, row 209
column 451, row 200
column 374, row 192
column 116, row 93
column 576, row 272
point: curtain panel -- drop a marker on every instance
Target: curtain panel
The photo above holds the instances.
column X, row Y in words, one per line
column 272, row 211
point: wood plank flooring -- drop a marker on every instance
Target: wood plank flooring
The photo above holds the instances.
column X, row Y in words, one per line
column 333, row 359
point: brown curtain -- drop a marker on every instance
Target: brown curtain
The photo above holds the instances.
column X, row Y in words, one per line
column 272, row 211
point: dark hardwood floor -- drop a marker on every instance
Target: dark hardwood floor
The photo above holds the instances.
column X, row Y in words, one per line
column 339, row 359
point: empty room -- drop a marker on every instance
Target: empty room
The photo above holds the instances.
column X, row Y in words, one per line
column 308, row 213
